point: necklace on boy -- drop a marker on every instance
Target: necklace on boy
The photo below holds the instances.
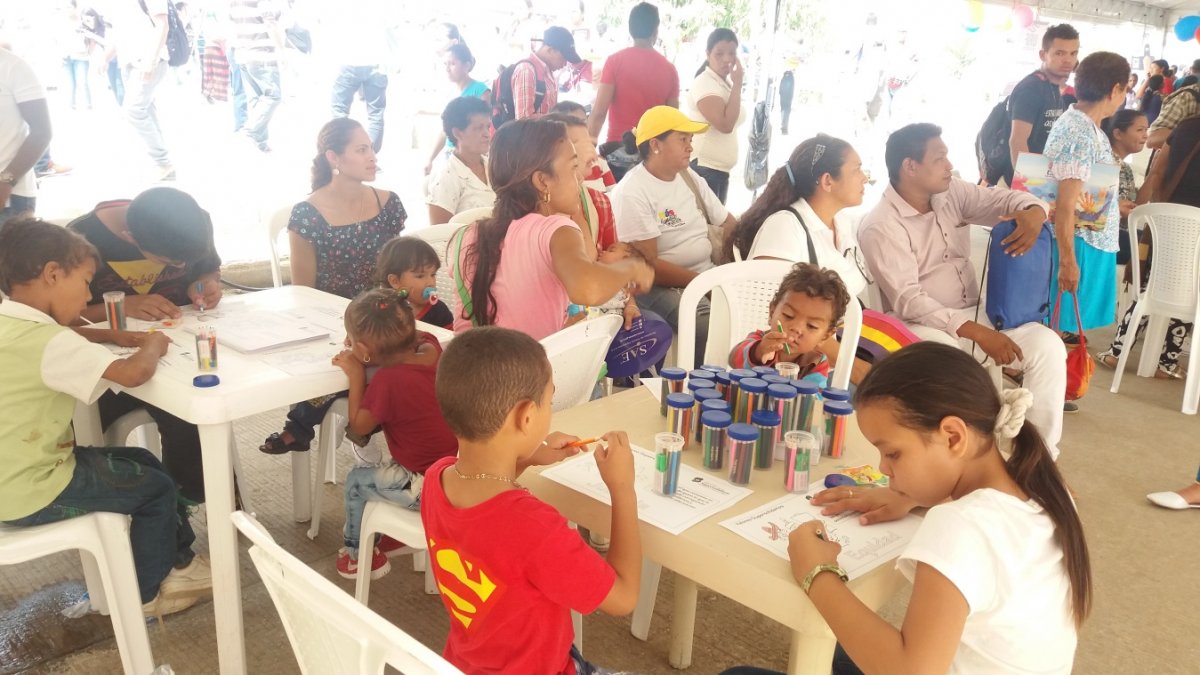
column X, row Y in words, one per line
column 488, row 476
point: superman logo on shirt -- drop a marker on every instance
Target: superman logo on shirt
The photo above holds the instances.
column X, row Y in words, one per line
column 468, row 591
column 669, row 219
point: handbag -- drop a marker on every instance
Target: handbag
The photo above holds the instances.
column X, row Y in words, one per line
column 716, row 236
column 1080, row 365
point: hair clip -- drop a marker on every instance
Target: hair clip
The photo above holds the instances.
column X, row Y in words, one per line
column 383, row 305
column 791, row 176
column 817, row 154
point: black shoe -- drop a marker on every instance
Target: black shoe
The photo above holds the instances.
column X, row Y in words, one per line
column 1070, row 407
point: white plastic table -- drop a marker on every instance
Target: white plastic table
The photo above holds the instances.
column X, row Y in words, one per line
column 248, row 387
column 708, row 554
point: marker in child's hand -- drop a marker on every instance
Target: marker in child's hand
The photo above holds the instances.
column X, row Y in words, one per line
column 200, row 292
column 787, row 348
column 581, row 442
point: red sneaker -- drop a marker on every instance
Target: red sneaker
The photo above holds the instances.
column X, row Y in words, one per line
column 347, row 567
column 390, row 547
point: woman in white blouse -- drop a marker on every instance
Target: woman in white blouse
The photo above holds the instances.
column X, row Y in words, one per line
column 463, row 182
column 716, row 98
column 797, row 216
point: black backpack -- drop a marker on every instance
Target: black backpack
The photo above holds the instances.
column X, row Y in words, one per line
column 503, row 106
column 991, row 145
column 178, row 47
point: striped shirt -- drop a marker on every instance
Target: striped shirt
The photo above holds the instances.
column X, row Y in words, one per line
column 254, row 30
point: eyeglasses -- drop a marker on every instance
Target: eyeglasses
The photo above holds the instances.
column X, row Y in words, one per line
column 855, row 254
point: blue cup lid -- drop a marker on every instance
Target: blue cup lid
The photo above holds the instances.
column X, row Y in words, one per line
column 722, row 378
column 702, row 374
column 764, row 370
column 712, row 368
column 765, row 418
column 716, row 418
column 740, row 374
column 834, row 394
column 753, row 384
column 806, row 387
column 776, row 378
column 696, row 385
column 781, row 391
column 838, row 408
column 680, row 400
column 742, row 432
column 205, row 381
column 714, row 404
column 707, row 394
column 672, row 373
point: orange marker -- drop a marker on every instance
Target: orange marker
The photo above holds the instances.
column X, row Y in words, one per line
column 581, row 442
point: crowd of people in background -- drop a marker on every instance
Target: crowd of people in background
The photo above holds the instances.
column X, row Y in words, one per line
column 624, row 225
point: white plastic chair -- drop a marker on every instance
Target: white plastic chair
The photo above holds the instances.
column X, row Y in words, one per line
column 400, row 524
column 471, row 215
column 274, row 222
column 438, row 236
column 1173, row 291
column 102, row 540
column 576, row 354
column 329, row 631
column 748, row 288
column 330, row 435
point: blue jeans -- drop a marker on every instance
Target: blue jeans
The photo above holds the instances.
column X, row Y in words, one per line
column 77, row 79
column 717, row 180
column 842, row 665
column 385, row 482
column 374, row 87
column 142, row 113
column 664, row 301
column 237, row 91
column 115, row 82
column 16, row 205
column 129, row 481
column 262, row 78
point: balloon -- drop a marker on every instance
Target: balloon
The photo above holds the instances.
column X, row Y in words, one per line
column 974, row 16
column 1186, row 27
column 1198, row 35
column 1024, row 16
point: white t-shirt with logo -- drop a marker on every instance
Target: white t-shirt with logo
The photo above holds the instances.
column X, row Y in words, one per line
column 1001, row 554
column 18, row 85
column 646, row 207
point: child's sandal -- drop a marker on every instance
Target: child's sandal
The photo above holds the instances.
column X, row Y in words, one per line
column 276, row 445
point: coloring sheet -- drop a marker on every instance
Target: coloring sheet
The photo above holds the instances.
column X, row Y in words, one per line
column 863, row 547
column 700, row 494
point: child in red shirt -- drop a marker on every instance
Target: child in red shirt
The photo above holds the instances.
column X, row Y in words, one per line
column 805, row 312
column 509, row 567
column 400, row 398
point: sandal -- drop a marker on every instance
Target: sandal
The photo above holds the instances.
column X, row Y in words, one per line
column 1107, row 359
column 277, row 445
column 1163, row 374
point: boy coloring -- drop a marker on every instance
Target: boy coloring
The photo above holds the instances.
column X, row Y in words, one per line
column 45, row 366
column 400, row 397
column 805, row 312
column 509, row 567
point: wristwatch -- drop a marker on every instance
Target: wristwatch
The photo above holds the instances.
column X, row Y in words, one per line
column 8, row 177
column 808, row 580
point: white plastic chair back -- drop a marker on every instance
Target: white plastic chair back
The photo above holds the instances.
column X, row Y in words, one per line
column 747, row 288
column 1174, row 277
column 471, row 215
column 438, row 236
column 329, row 631
column 274, row 222
column 576, row 355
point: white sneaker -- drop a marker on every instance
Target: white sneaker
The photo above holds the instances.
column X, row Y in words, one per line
column 162, row 605
column 1171, row 500
column 192, row 580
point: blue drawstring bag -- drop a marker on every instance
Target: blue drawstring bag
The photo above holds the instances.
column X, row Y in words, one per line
column 1018, row 288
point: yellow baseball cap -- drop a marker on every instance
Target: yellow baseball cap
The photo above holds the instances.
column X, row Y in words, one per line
column 663, row 118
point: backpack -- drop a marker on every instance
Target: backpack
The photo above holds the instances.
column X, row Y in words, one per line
column 504, row 108
column 178, row 47
column 991, row 144
column 1018, row 288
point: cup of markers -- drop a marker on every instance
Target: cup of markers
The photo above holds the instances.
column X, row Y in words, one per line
column 206, row 348
column 114, row 309
column 668, row 458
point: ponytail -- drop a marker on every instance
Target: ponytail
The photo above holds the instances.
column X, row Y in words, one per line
column 796, row 179
column 1035, row 472
column 335, row 136
column 926, row 382
column 629, row 141
column 322, row 172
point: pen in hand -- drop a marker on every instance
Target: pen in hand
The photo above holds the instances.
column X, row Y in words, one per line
column 787, row 348
column 200, row 293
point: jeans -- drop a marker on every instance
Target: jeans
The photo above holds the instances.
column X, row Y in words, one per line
column 842, row 665
column 1168, row 358
column 133, row 482
column 304, row 417
column 77, row 79
column 17, row 205
column 664, row 301
column 141, row 112
column 374, row 87
column 237, row 91
column 115, row 82
column 262, row 78
column 385, row 482
column 716, row 179
column 180, row 442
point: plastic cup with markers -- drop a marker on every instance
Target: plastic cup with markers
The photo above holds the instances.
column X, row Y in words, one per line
column 668, row 458
column 114, row 309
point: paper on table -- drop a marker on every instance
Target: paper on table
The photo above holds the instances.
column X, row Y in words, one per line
column 700, row 494
column 258, row 330
column 863, row 547
column 654, row 384
column 302, row 361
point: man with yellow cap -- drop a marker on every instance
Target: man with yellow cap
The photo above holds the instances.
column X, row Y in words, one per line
column 665, row 210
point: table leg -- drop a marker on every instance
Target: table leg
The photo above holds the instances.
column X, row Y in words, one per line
column 223, row 546
column 683, row 622
column 811, row 653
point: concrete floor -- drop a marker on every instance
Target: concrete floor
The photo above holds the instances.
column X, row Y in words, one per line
column 1115, row 450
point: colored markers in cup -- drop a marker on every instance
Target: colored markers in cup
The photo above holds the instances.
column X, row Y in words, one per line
column 206, row 348
column 799, row 448
column 114, row 309
column 668, row 457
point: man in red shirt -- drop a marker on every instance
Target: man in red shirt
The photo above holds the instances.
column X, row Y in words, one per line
column 634, row 79
column 533, row 87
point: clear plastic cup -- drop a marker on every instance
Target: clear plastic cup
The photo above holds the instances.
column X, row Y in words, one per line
column 668, row 457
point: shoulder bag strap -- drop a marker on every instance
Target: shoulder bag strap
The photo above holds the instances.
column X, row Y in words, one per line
column 468, row 308
column 812, row 250
column 686, row 175
column 1169, row 188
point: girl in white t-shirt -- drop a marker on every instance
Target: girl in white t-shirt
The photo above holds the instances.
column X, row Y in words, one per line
column 999, row 567
column 716, row 97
